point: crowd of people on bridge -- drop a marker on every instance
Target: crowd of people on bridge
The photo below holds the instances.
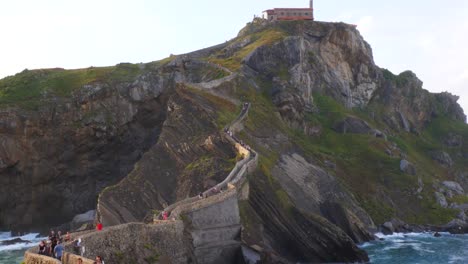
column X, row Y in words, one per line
column 54, row 245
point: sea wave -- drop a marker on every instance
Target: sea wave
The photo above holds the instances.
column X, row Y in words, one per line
column 33, row 239
column 409, row 248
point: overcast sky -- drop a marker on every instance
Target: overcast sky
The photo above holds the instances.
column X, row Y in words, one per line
column 428, row 37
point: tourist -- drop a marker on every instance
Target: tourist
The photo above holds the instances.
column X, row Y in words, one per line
column 58, row 250
column 48, row 248
column 200, row 195
column 54, row 243
column 79, row 261
column 99, row 226
column 59, row 236
column 78, row 249
column 42, row 248
column 165, row 215
column 67, row 237
column 52, row 236
column 99, row 260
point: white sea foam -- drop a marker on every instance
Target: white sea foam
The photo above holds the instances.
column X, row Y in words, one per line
column 33, row 239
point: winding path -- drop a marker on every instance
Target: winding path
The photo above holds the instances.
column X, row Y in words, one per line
column 237, row 174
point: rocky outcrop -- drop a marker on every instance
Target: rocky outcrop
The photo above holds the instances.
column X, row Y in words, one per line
column 352, row 125
column 82, row 219
column 395, row 226
column 440, row 199
column 164, row 174
column 313, row 190
column 407, row 167
column 443, row 158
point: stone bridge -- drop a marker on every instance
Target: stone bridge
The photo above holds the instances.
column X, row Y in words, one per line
column 201, row 230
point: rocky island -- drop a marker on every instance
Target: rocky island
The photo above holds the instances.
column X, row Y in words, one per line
column 342, row 148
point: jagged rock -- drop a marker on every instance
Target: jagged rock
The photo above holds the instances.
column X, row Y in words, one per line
column 462, row 215
column 440, row 199
column 453, row 140
column 395, row 226
column 449, row 105
column 404, row 122
column 13, row 241
column 387, row 228
column 378, row 134
column 442, row 158
column 352, row 125
column 456, row 226
column 407, row 167
column 82, row 219
column 453, row 187
column 302, row 179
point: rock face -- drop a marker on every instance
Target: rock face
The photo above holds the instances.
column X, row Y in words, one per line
column 59, row 158
column 81, row 219
column 189, row 152
column 407, row 167
column 315, row 191
column 334, row 134
column 443, row 158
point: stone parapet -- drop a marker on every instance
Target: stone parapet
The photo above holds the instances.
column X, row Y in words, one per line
column 136, row 243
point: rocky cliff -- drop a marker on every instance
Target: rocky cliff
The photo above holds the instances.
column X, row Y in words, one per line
column 344, row 145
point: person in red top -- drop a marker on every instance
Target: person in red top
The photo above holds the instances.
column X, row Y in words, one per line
column 98, row 226
column 165, row 215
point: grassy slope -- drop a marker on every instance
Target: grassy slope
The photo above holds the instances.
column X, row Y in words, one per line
column 30, row 88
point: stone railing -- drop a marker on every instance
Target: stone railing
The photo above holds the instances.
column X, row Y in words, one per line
column 141, row 239
column 240, row 170
column 33, row 258
column 30, row 257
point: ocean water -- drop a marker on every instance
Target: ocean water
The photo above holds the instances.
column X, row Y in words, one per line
column 13, row 254
column 417, row 248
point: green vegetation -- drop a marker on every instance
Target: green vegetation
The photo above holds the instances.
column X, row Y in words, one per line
column 154, row 254
column 365, row 169
column 30, row 87
column 226, row 110
column 459, row 199
column 400, row 79
column 262, row 38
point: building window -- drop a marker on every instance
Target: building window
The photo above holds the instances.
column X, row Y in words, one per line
column 306, row 14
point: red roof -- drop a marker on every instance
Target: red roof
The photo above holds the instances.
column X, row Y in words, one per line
column 303, row 9
column 287, row 9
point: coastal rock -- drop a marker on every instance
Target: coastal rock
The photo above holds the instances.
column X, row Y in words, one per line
column 395, row 226
column 456, row 226
column 407, row 167
column 440, row 199
column 13, row 241
column 453, row 187
column 314, row 190
column 442, row 157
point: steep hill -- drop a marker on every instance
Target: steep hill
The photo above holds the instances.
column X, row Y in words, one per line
column 344, row 145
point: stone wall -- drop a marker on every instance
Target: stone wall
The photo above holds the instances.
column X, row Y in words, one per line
column 69, row 258
column 136, row 243
column 213, row 225
column 33, row 258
